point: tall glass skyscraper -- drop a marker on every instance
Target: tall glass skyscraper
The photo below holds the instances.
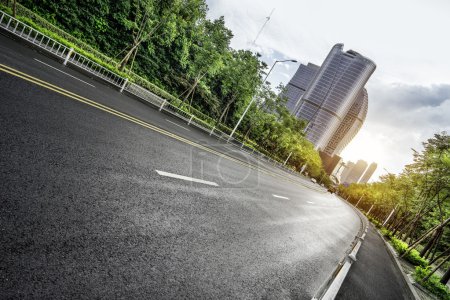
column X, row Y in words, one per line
column 350, row 125
column 335, row 88
column 298, row 84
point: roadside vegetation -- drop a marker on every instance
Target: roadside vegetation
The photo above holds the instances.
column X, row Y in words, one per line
column 174, row 50
column 418, row 203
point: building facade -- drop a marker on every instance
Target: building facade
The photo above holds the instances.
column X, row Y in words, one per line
column 330, row 95
column 349, row 126
column 298, row 84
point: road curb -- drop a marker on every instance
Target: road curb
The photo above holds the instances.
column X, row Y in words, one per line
column 393, row 254
column 330, row 288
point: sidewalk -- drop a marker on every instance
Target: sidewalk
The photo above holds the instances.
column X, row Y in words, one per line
column 375, row 274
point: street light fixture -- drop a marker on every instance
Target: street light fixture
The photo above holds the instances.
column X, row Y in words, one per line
column 254, row 98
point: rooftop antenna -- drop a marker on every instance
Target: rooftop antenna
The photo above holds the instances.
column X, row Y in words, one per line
column 264, row 25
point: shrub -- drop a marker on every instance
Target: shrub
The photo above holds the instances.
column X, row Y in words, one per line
column 412, row 256
column 375, row 222
column 386, row 232
column 432, row 284
column 399, row 245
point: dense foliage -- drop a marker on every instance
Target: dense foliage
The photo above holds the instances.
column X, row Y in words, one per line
column 432, row 284
column 175, row 46
column 418, row 203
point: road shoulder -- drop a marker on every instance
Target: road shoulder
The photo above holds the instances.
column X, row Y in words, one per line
column 375, row 274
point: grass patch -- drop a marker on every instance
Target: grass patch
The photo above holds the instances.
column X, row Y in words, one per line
column 432, row 284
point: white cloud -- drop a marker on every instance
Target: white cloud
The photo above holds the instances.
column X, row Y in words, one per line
column 409, row 91
column 400, row 117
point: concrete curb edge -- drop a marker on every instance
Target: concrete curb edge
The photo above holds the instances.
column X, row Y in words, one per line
column 394, row 256
column 330, row 288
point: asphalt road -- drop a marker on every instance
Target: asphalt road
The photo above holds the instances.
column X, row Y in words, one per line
column 374, row 276
column 85, row 214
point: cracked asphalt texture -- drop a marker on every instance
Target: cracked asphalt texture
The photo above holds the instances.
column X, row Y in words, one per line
column 85, row 215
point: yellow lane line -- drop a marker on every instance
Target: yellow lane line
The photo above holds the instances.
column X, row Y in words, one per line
column 119, row 114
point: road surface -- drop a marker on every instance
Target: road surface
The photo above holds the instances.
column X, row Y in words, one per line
column 96, row 203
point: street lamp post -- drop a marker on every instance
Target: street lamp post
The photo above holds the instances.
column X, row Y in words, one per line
column 254, row 97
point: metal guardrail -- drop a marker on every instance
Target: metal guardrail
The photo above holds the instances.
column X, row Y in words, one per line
column 69, row 56
column 144, row 94
column 31, row 35
column 94, row 68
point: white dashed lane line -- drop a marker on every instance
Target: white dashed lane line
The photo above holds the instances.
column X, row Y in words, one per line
column 280, row 197
column 63, row 72
column 177, row 125
column 172, row 175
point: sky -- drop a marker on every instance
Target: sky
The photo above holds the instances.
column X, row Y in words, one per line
column 409, row 92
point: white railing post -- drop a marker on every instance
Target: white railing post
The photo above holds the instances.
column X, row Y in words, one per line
column 303, row 168
column 370, row 209
column 212, row 130
column 390, row 215
column 358, row 202
column 287, row 159
column 190, row 120
column 68, row 56
column 162, row 105
column 124, row 85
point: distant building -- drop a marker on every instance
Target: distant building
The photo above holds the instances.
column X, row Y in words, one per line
column 348, row 168
column 298, row 84
column 356, row 172
column 329, row 162
column 369, row 172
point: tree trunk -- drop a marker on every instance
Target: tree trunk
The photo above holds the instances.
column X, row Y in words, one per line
column 136, row 43
column 425, row 235
column 14, row 8
column 439, row 256
column 190, row 90
column 429, row 244
column 446, row 277
column 434, row 246
column 226, row 109
column 125, row 60
column 435, row 269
